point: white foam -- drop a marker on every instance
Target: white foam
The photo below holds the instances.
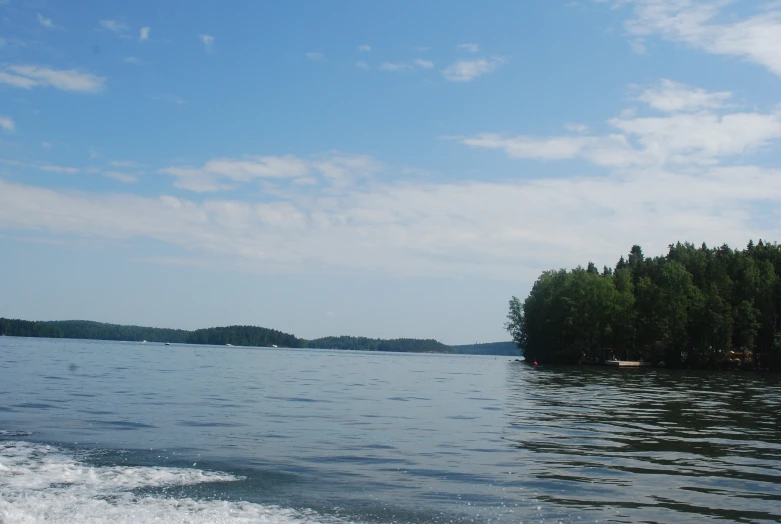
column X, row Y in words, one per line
column 40, row 483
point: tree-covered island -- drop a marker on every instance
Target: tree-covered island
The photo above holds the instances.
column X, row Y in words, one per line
column 253, row 336
column 693, row 308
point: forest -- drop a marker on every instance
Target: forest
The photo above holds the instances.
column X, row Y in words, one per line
column 376, row 344
column 234, row 335
column 692, row 308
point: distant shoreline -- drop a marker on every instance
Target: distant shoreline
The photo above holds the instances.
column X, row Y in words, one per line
column 247, row 336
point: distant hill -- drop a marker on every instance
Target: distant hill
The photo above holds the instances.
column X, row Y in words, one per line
column 253, row 336
column 490, row 348
column 413, row 345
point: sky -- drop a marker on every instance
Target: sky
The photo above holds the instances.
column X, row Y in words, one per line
column 384, row 169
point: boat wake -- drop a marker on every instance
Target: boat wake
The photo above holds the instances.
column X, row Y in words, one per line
column 42, row 483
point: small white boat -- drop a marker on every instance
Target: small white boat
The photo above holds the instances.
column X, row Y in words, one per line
column 167, row 343
column 143, row 341
column 229, row 345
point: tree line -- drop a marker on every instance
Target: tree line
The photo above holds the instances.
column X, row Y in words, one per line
column 235, row 335
column 694, row 307
column 402, row 345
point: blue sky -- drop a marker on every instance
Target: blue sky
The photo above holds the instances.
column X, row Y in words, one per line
column 370, row 168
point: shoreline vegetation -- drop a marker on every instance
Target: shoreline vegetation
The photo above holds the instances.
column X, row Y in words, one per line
column 695, row 308
column 250, row 336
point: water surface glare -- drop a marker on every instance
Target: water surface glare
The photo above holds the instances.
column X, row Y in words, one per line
column 124, row 432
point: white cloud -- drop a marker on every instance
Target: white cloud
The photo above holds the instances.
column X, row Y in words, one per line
column 58, row 169
column 681, row 138
column 471, row 48
column 364, row 48
column 46, row 145
column 418, row 229
column 143, row 34
column 638, row 46
column 672, row 97
column 171, row 99
column 576, row 128
column 132, row 60
column 395, row 66
column 222, row 174
column 45, row 22
column 123, row 163
column 117, row 26
column 92, row 153
column 17, row 81
column 317, row 57
column 706, row 26
column 29, row 76
column 361, row 65
column 467, row 70
column 7, row 124
column 208, row 42
column 121, row 177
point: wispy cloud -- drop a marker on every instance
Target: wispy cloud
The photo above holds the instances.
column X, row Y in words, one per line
column 132, row 60
column 463, row 228
column 222, row 174
column 674, row 97
column 117, row 26
column 143, row 34
column 29, row 76
column 317, row 57
column 208, row 42
column 361, row 65
column 468, row 70
column 46, row 145
column 680, row 138
column 471, row 48
column 7, row 124
column 171, row 99
column 45, row 22
column 707, row 26
column 364, row 48
column 395, row 66
column 123, row 163
column 576, row 128
column 58, row 169
column 121, row 177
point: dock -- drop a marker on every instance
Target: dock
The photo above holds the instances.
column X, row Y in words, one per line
column 627, row 363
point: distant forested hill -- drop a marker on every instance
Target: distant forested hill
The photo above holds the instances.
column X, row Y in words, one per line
column 234, row 335
column 490, row 348
column 376, row 344
column 86, row 329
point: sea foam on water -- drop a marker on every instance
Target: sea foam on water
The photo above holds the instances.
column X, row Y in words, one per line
column 41, row 483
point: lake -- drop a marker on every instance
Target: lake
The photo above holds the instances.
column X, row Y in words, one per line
column 95, row 431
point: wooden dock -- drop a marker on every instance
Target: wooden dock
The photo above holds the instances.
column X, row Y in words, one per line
column 627, row 363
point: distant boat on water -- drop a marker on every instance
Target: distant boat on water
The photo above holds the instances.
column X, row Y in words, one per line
column 229, row 345
column 167, row 343
column 143, row 341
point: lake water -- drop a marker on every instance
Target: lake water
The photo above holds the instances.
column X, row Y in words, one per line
column 94, row 431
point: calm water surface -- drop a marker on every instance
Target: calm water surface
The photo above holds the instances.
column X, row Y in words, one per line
column 123, row 432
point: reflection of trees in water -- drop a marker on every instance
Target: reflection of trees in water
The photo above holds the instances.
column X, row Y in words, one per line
column 653, row 441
